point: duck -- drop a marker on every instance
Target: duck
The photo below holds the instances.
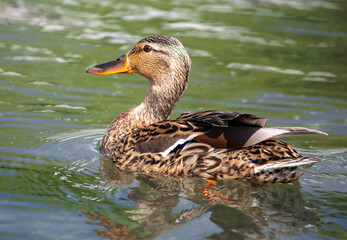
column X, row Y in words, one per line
column 210, row 144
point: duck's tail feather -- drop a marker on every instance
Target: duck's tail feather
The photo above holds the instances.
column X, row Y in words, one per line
column 286, row 170
column 298, row 131
column 263, row 134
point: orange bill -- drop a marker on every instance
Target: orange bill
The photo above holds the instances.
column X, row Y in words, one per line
column 119, row 65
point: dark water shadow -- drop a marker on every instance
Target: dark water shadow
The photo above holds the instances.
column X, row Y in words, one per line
column 166, row 204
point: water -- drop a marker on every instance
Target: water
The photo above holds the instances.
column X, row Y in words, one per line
column 284, row 60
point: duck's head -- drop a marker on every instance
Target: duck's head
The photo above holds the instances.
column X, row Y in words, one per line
column 159, row 58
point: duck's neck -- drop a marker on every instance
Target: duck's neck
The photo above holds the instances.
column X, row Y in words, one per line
column 161, row 98
column 162, row 95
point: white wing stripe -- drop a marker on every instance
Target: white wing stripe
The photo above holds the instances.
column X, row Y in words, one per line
column 179, row 142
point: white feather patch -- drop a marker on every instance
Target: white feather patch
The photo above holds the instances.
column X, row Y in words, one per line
column 179, row 142
column 287, row 164
column 264, row 134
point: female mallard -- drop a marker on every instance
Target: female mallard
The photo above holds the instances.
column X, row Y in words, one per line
column 209, row 144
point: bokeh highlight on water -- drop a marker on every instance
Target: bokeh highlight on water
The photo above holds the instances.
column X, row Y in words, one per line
column 285, row 60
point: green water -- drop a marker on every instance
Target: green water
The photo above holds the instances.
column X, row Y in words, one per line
column 286, row 60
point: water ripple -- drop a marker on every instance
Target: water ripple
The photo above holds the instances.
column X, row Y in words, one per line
column 310, row 76
column 132, row 12
column 112, row 37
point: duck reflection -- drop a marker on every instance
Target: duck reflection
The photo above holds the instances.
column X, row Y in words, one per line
column 165, row 204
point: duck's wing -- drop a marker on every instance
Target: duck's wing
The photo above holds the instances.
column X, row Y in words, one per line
column 217, row 129
column 223, row 119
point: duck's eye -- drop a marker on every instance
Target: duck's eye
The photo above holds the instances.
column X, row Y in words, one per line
column 147, row 48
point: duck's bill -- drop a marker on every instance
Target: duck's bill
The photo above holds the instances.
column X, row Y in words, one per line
column 119, row 65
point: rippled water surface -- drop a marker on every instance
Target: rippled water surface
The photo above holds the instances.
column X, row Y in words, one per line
column 282, row 59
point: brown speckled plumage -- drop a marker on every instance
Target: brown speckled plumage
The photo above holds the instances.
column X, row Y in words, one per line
column 209, row 144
